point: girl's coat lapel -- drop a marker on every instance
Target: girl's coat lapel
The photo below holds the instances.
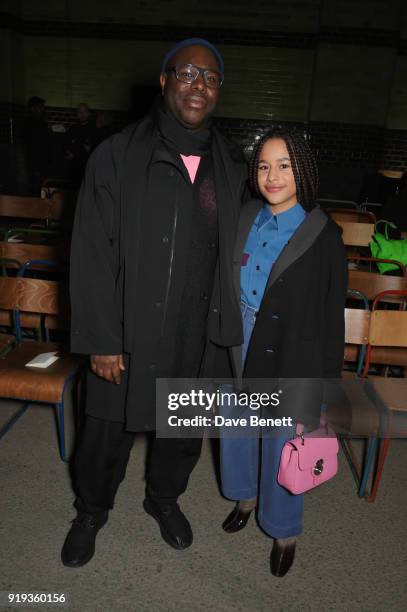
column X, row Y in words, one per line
column 300, row 242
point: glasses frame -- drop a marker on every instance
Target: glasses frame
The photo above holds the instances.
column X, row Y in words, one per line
column 201, row 72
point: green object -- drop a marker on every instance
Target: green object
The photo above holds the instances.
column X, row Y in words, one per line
column 384, row 247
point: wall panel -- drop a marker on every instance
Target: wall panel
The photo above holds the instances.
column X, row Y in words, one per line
column 352, row 84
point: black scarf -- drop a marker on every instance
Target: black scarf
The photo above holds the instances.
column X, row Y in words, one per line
column 179, row 138
column 142, row 140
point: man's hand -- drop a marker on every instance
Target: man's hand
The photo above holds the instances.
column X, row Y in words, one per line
column 108, row 367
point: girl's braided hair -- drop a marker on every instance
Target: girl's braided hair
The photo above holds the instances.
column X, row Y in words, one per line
column 303, row 163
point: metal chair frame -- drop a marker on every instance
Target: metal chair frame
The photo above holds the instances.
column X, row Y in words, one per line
column 373, row 440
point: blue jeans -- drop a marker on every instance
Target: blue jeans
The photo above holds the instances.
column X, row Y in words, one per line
column 249, row 468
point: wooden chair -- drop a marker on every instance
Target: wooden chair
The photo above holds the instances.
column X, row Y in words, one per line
column 7, row 341
column 394, row 174
column 33, row 235
column 31, row 385
column 14, row 259
column 357, row 321
column 357, row 226
column 369, row 264
column 356, row 234
column 327, row 203
column 356, row 331
column 23, row 252
column 388, row 328
column 24, row 208
column 346, row 215
column 373, row 283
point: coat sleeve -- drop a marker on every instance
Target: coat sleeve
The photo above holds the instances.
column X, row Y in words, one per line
column 334, row 333
column 95, row 279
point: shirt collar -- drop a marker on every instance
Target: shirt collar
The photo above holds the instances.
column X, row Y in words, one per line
column 288, row 220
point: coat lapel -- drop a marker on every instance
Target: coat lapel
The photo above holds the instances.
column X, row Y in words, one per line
column 300, row 242
column 229, row 179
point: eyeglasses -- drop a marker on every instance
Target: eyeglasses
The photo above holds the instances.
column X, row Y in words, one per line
column 188, row 73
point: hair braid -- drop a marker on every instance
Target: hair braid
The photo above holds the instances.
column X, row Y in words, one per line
column 303, row 163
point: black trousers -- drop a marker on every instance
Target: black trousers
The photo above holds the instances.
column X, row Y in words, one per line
column 101, row 460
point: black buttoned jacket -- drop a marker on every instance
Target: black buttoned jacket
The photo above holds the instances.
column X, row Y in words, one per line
column 135, row 202
column 299, row 329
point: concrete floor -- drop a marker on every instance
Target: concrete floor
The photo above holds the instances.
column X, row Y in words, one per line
column 352, row 556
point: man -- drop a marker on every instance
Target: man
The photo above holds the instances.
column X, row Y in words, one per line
column 38, row 144
column 155, row 222
column 103, row 126
column 80, row 140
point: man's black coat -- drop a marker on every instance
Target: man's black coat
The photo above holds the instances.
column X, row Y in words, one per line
column 122, row 303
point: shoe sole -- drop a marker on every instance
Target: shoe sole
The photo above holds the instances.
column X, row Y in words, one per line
column 163, row 532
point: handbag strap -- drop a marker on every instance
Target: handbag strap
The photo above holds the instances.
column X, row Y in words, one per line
column 299, row 428
column 387, row 224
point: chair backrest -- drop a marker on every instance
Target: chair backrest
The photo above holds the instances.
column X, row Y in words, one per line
column 356, row 234
column 364, row 263
column 8, row 293
column 331, row 202
column 23, row 252
column 7, row 264
column 351, row 215
column 388, row 328
column 33, row 235
column 39, row 296
column 373, row 283
column 32, row 297
column 25, row 208
column 394, row 174
column 357, row 323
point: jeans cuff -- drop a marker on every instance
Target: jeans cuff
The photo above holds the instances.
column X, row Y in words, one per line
column 277, row 531
column 239, row 494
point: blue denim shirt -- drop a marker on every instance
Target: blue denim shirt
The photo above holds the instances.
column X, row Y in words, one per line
column 267, row 238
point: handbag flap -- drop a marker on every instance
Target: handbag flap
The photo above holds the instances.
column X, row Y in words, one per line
column 319, row 444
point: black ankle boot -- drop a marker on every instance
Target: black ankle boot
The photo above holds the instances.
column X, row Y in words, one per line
column 281, row 558
column 79, row 546
column 236, row 520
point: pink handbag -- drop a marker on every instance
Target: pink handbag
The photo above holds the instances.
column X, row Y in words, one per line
column 308, row 460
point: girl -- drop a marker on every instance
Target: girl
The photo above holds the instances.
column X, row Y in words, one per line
column 292, row 266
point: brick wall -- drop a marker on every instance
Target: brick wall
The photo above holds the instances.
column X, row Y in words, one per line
column 337, row 68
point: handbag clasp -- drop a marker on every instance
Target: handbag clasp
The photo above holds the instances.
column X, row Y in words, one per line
column 318, row 467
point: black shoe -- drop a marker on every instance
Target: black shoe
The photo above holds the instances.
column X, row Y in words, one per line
column 79, row 546
column 174, row 526
column 281, row 559
column 236, row 520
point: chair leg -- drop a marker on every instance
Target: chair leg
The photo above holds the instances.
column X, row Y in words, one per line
column 61, row 429
column 370, row 455
column 378, row 476
column 13, row 420
column 351, row 459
